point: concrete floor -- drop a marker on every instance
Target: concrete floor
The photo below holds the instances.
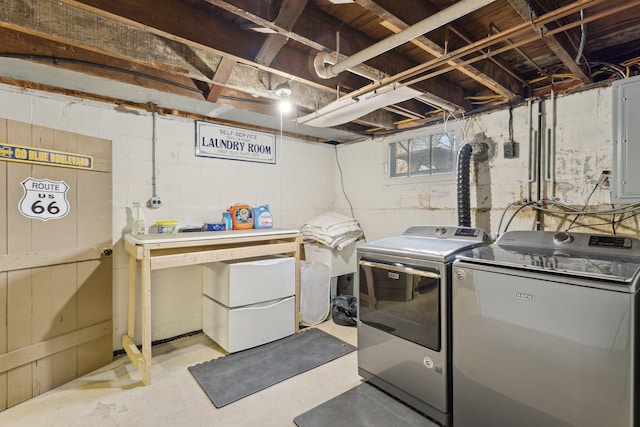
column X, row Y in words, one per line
column 115, row 396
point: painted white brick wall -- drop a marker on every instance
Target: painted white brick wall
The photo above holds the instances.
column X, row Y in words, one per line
column 194, row 189
column 386, row 207
column 305, row 181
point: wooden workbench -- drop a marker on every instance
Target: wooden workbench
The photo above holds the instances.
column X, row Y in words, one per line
column 158, row 251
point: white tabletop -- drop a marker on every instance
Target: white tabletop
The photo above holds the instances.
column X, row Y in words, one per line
column 143, row 239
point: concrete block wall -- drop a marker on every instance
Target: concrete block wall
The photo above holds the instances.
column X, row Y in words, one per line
column 194, row 189
column 386, row 206
column 306, row 180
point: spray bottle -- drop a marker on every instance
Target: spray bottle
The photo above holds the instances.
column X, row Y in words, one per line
column 139, row 223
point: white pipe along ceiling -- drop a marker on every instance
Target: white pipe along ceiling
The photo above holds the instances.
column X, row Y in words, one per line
column 348, row 107
column 426, row 25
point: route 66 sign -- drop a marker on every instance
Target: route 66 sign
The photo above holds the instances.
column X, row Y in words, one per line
column 44, row 199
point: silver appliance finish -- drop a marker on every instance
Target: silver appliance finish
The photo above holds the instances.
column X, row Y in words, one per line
column 545, row 331
column 403, row 340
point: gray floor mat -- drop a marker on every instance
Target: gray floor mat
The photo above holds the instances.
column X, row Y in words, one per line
column 241, row 374
column 362, row 406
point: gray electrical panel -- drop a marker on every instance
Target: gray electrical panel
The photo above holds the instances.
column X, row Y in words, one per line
column 625, row 179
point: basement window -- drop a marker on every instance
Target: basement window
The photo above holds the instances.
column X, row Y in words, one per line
column 432, row 154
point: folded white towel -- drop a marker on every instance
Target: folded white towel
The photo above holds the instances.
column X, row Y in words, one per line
column 332, row 229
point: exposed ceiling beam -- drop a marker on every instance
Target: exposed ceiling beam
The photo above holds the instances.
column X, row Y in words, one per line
column 81, row 26
column 527, row 33
column 221, row 77
column 226, row 41
column 523, row 8
column 311, row 28
column 289, row 12
column 507, row 86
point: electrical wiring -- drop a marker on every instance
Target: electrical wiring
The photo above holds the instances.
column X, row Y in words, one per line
column 342, row 181
column 618, row 221
column 624, row 212
column 504, row 212
column 484, row 97
column 604, row 66
column 487, row 100
column 506, row 227
column 563, row 77
column 586, row 203
column 570, row 210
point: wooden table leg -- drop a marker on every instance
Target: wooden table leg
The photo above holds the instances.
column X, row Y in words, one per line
column 128, row 343
column 131, row 310
column 145, row 302
column 298, row 314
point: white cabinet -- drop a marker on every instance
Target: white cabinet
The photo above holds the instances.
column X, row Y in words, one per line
column 236, row 283
column 240, row 328
column 249, row 303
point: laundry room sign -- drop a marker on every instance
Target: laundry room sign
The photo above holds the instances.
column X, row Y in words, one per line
column 44, row 199
column 235, row 143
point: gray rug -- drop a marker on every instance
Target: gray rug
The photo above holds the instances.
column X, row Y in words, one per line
column 362, row 406
column 241, row 374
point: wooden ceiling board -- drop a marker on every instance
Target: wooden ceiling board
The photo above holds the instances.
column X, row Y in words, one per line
column 192, row 36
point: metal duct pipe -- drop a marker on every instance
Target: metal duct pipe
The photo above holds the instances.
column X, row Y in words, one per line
column 323, row 58
column 464, row 189
column 428, row 24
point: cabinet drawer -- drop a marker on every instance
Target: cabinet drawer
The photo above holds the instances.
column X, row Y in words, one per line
column 236, row 329
column 237, row 283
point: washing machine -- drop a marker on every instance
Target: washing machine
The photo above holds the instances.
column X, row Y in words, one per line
column 404, row 288
column 545, row 331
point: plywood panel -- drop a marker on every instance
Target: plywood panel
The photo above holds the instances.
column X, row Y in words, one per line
column 64, row 320
column 42, row 375
column 3, row 276
column 99, row 149
column 94, row 209
column 20, row 387
column 3, row 130
column 17, row 133
column 95, row 195
column 95, row 354
column 94, row 306
column 94, row 292
column 65, row 366
column 43, row 317
column 67, row 142
column 3, row 195
column 19, row 321
column 3, row 337
column 42, row 303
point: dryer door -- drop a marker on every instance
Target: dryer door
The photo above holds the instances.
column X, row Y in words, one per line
column 402, row 300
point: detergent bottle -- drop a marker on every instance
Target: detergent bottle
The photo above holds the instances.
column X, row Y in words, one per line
column 139, row 224
column 228, row 223
column 262, row 216
column 241, row 216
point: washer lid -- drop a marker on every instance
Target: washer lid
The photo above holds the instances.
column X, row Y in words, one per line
column 598, row 256
column 428, row 241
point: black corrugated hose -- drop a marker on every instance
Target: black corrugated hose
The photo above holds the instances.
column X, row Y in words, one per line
column 463, row 172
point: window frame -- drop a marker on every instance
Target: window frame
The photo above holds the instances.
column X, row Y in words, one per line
column 423, row 133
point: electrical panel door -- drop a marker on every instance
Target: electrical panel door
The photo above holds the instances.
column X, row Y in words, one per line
column 625, row 179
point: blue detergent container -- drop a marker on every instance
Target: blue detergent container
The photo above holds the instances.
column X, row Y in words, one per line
column 262, row 217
